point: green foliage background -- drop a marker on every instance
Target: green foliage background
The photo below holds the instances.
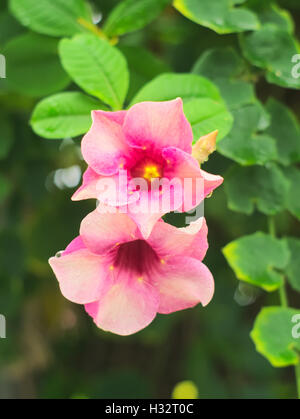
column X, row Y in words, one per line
column 231, row 63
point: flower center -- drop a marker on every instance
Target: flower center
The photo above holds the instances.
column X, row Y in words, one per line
column 151, row 172
column 136, row 256
column 147, row 169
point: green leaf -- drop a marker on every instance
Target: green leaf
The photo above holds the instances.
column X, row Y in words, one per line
column 273, row 15
column 170, row 86
column 285, row 129
column 293, row 199
column 243, row 144
column 33, row 65
column 272, row 48
column 264, row 187
column 7, row 136
column 218, row 63
column 254, row 259
column 206, row 115
column 225, row 68
column 10, row 28
column 236, row 93
column 203, row 104
column 218, row 15
column 52, row 17
column 131, row 15
column 273, row 335
column 265, row 119
column 97, row 67
column 64, row 115
column 143, row 67
column 293, row 268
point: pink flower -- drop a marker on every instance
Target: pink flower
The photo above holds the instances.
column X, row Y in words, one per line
column 124, row 280
column 153, row 142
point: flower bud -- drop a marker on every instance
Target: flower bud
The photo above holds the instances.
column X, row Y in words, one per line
column 205, row 146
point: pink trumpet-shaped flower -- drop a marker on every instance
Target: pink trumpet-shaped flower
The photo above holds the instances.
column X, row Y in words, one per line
column 152, row 141
column 124, row 280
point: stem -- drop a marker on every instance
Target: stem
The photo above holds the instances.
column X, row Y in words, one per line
column 283, row 295
column 282, row 291
column 97, row 31
column 272, row 227
column 284, row 300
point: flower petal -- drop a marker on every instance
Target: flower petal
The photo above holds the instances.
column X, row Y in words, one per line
column 128, row 306
column 146, row 211
column 144, row 221
column 109, row 190
column 102, row 231
column 154, row 125
column 169, row 241
column 104, row 147
column 183, row 283
column 82, row 276
column 211, row 182
column 88, row 189
column 195, row 183
column 118, row 116
column 76, row 244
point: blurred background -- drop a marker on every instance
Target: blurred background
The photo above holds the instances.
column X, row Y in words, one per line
column 52, row 348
